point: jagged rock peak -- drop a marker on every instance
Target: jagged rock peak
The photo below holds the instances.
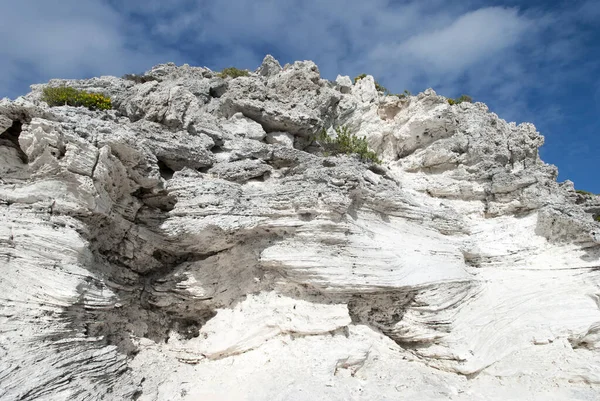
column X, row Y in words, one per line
column 197, row 233
column 269, row 67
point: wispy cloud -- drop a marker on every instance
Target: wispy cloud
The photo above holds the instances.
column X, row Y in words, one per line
column 470, row 39
column 69, row 39
column 589, row 11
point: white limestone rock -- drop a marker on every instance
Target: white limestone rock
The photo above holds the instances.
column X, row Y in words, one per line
column 5, row 123
column 165, row 102
column 344, row 83
column 269, row 67
column 280, row 138
column 240, row 125
column 296, row 100
column 163, row 251
column 262, row 317
column 241, row 170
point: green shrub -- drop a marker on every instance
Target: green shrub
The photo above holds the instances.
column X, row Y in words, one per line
column 462, row 98
column 597, row 218
column 582, row 192
column 233, row 73
column 358, row 78
column 347, row 143
column 64, row 95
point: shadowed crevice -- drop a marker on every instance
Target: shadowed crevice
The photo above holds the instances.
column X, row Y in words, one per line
column 10, row 138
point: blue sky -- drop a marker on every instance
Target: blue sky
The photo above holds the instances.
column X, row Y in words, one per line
column 536, row 61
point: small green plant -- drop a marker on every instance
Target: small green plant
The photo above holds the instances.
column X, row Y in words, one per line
column 65, row 95
column 461, row 99
column 582, row 192
column 346, row 143
column 233, row 73
column 358, row 78
column 597, row 218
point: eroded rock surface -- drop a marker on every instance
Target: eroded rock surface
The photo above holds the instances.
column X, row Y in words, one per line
column 193, row 244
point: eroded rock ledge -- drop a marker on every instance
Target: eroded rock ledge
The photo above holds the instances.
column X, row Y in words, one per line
column 192, row 243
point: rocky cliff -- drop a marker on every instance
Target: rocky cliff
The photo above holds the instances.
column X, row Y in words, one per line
column 194, row 243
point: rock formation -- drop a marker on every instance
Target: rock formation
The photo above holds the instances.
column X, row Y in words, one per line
column 195, row 244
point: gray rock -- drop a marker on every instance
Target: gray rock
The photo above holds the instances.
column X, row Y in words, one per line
column 240, row 125
column 294, row 101
column 280, row 138
column 5, row 123
column 269, row 67
column 241, row 170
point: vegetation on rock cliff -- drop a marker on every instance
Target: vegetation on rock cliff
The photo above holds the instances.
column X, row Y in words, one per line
column 462, row 98
column 233, row 73
column 381, row 88
column 347, row 143
column 67, row 96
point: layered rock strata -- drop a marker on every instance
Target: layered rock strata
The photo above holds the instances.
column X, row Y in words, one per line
column 195, row 244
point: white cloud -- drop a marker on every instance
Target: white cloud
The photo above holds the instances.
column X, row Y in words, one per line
column 66, row 39
column 470, row 39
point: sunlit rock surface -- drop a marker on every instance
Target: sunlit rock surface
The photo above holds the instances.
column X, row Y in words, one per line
column 194, row 244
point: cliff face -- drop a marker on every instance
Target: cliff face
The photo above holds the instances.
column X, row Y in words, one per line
column 192, row 244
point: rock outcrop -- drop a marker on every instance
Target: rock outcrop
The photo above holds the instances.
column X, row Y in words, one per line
column 194, row 244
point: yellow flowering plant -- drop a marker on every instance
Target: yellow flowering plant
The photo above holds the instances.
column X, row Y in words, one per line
column 64, row 95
